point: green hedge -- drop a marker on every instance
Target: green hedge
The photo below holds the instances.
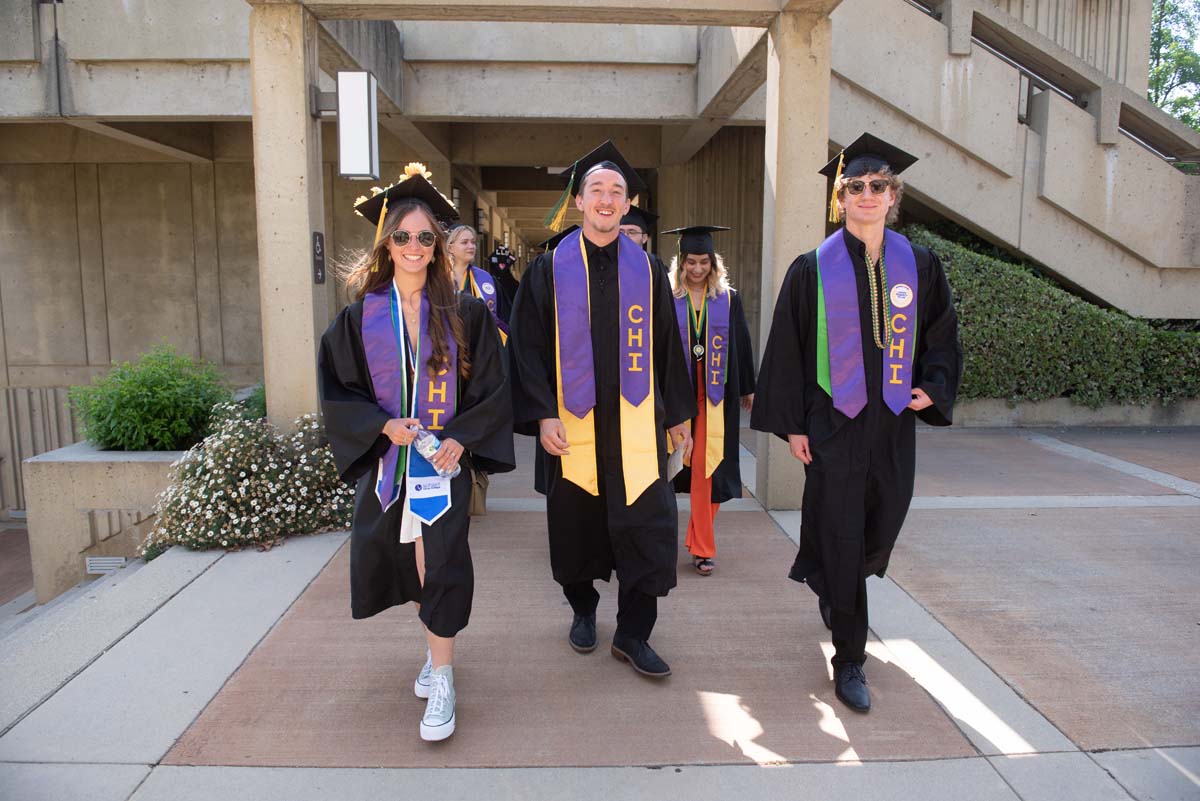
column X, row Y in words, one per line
column 162, row 403
column 1025, row 338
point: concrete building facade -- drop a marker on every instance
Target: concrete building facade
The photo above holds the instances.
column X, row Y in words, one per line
column 162, row 172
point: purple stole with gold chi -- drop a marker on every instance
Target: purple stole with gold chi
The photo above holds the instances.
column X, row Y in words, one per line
column 574, row 366
column 715, row 341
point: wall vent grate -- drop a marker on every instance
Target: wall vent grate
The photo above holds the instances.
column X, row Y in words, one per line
column 99, row 565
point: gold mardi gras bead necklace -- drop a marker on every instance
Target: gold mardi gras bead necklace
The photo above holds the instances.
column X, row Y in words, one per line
column 879, row 297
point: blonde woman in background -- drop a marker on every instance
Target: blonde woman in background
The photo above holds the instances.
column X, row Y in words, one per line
column 716, row 341
column 461, row 247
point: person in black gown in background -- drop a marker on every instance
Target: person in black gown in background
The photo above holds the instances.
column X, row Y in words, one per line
column 846, row 394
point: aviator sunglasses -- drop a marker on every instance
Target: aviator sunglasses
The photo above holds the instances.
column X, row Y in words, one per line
column 425, row 238
column 878, row 186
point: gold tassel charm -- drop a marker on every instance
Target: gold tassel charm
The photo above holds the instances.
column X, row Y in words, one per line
column 558, row 215
column 379, row 234
column 835, row 214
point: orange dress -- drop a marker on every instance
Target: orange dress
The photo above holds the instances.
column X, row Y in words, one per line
column 700, row 538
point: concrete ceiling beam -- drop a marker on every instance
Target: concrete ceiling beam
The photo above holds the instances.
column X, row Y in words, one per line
column 538, row 198
column 731, row 68
column 548, row 92
column 190, row 142
column 550, row 144
column 495, row 178
column 733, row 63
column 546, row 42
column 370, row 45
column 376, row 46
column 757, row 13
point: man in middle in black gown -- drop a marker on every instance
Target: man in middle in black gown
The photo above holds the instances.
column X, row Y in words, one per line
column 599, row 377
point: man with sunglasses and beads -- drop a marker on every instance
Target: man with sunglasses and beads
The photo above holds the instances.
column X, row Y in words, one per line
column 863, row 342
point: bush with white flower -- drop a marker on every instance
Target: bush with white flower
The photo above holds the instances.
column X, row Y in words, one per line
column 249, row 484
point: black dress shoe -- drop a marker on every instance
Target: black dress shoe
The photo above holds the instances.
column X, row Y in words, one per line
column 826, row 610
column 640, row 656
column 850, row 685
column 583, row 633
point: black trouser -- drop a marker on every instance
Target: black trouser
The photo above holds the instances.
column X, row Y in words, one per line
column 850, row 631
column 636, row 611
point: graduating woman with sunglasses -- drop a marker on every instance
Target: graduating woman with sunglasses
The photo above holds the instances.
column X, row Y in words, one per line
column 716, row 342
column 863, row 342
column 410, row 353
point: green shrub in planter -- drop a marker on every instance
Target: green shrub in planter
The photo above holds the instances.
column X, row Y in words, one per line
column 1025, row 338
column 162, row 403
column 247, row 484
column 256, row 401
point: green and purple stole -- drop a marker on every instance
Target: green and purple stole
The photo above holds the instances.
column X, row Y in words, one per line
column 715, row 338
column 575, row 371
column 840, row 370
column 386, row 346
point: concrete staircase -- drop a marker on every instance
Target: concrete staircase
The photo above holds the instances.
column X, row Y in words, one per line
column 1070, row 188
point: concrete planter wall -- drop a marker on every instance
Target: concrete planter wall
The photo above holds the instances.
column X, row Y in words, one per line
column 1061, row 412
column 82, row 501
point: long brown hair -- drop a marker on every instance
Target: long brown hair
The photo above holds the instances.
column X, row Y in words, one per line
column 361, row 277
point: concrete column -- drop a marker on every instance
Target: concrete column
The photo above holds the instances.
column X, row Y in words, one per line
column 794, row 202
column 290, row 204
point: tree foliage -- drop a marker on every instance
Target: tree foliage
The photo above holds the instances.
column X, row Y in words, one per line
column 1174, row 60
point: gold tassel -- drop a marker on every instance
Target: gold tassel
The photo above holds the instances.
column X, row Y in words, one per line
column 835, row 214
column 558, row 214
column 379, row 234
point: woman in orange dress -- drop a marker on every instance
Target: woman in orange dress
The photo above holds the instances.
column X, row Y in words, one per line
column 716, row 339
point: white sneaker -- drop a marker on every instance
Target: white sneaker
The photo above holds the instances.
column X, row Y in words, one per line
column 438, row 723
column 421, row 685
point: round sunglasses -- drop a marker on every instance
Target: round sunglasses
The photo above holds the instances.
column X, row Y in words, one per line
column 856, row 187
column 426, row 239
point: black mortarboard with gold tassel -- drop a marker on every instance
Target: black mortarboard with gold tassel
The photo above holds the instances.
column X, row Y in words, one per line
column 605, row 157
column 413, row 184
column 865, row 155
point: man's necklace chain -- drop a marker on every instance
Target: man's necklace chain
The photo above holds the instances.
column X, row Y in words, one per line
column 877, row 289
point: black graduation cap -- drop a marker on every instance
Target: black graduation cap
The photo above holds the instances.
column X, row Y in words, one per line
column 641, row 218
column 696, row 238
column 414, row 184
column 606, row 156
column 552, row 242
column 866, row 154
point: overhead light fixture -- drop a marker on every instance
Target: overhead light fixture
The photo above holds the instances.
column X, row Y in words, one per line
column 357, row 126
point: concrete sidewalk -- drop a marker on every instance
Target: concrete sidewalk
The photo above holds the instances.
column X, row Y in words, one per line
column 1036, row 639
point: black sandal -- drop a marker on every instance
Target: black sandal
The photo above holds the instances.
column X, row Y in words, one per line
column 703, row 565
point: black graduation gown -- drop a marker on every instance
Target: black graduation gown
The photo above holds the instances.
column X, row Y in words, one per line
column 860, row 483
column 660, row 265
column 506, row 285
column 591, row 536
column 383, row 572
column 739, row 381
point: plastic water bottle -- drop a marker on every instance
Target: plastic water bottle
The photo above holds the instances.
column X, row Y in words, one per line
column 427, row 445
